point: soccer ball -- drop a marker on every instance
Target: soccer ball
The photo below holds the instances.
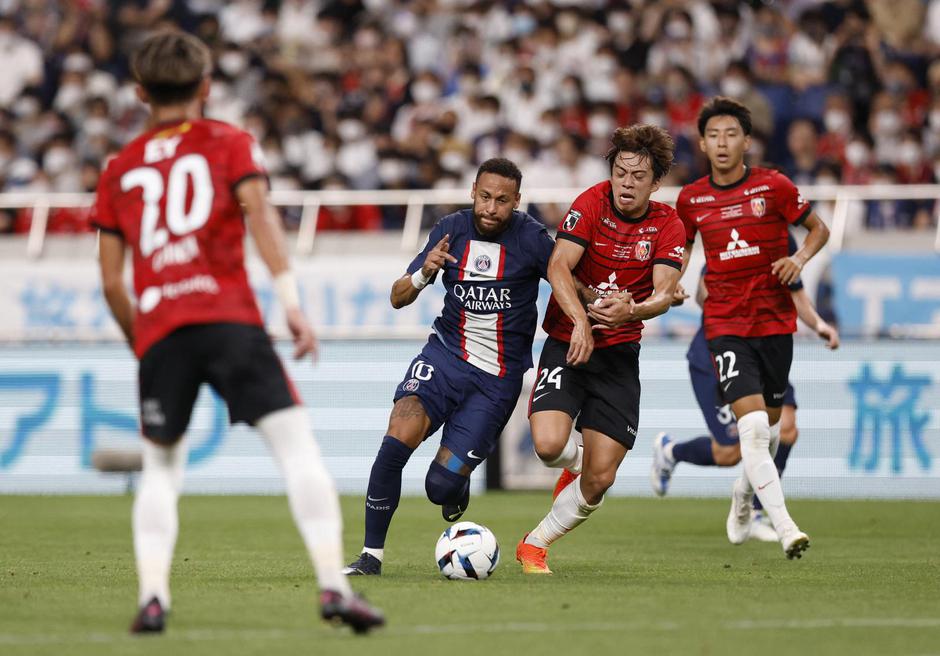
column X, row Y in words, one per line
column 467, row 551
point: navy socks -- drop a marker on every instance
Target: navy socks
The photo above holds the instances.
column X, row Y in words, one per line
column 697, row 451
column 384, row 491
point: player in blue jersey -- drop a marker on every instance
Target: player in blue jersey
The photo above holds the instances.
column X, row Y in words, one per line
column 721, row 448
column 469, row 374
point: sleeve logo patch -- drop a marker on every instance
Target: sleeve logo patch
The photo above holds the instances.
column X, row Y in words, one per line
column 571, row 220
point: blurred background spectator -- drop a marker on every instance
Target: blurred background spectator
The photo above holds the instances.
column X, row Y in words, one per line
column 397, row 94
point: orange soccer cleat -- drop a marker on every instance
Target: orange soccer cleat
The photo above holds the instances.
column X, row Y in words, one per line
column 564, row 481
column 532, row 558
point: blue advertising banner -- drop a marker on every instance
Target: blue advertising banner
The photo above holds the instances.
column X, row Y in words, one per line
column 887, row 294
column 869, row 421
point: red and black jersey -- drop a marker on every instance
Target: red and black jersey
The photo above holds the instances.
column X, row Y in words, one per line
column 170, row 194
column 619, row 256
column 744, row 231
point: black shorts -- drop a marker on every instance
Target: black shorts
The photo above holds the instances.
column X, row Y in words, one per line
column 602, row 395
column 752, row 365
column 237, row 360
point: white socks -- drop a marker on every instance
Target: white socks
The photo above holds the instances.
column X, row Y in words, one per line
column 775, row 439
column 570, row 458
column 378, row 554
column 568, row 512
column 155, row 520
column 759, row 469
column 310, row 491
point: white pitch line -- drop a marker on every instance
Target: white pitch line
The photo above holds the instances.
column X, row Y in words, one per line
column 218, row 635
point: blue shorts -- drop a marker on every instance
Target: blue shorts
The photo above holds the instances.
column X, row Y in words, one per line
column 720, row 419
column 473, row 405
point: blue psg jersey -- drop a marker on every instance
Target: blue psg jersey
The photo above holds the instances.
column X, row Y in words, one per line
column 490, row 315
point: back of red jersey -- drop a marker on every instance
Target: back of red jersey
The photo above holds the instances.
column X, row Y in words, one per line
column 619, row 254
column 170, row 194
column 744, row 231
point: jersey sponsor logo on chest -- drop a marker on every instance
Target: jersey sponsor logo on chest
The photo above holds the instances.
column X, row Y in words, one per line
column 641, row 250
column 737, row 247
column 483, row 299
column 756, row 190
column 698, row 200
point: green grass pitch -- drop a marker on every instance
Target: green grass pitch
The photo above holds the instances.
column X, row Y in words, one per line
column 643, row 576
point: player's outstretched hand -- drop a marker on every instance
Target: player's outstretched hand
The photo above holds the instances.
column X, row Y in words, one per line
column 612, row 311
column 787, row 269
column 434, row 262
column 828, row 333
column 679, row 296
column 582, row 344
column 305, row 341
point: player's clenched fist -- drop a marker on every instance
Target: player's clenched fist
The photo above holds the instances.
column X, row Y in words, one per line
column 434, row 262
column 787, row 269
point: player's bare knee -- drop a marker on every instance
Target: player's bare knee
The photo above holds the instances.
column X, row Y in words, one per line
column 549, row 448
column 595, row 484
column 727, row 456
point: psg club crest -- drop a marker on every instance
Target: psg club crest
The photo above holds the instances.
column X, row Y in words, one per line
column 482, row 263
column 642, row 250
column 571, row 220
column 758, row 206
column 411, row 385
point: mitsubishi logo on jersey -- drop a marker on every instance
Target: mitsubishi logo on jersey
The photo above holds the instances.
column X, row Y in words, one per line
column 737, row 247
column 609, row 287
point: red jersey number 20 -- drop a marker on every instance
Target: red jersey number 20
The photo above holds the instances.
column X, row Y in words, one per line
column 179, row 221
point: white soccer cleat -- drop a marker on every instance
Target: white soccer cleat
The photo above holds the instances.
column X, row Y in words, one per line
column 761, row 528
column 794, row 543
column 661, row 471
column 739, row 518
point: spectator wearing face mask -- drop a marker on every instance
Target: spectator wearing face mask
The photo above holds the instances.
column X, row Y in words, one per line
column 738, row 83
column 859, row 161
column 838, row 127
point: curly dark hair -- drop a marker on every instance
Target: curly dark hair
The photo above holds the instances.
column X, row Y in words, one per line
column 502, row 167
column 170, row 65
column 723, row 106
column 647, row 141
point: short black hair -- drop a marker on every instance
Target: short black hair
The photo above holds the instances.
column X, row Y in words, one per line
column 502, row 167
column 724, row 106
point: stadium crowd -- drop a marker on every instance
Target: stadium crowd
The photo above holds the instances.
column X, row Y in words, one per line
column 367, row 94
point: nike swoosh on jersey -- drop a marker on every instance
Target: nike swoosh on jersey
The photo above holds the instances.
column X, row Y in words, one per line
column 371, row 499
column 540, row 396
column 699, row 219
column 726, row 385
column 471, row 454
column 600, row 244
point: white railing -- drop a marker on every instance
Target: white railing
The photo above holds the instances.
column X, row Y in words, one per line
column 310, row 202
